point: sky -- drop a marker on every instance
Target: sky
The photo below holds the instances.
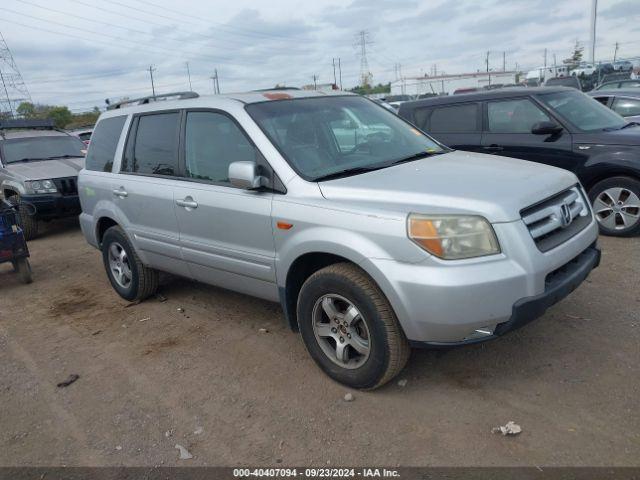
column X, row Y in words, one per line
column 79, row 52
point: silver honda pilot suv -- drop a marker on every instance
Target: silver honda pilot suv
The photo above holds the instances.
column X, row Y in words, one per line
column 372, row 236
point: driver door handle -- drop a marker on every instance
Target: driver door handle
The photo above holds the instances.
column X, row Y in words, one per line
column 120, row 192
column 187, row 202
column 493, row 148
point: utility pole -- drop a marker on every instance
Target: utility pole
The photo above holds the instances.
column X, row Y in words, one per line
column 340, row 72
column 504, row 61
column 615, row 52
column 335, row 80
column 153, row 88
column 594, row 15
column 189, row 76
column 12, row 87
column 315, row 82
column 487, row 61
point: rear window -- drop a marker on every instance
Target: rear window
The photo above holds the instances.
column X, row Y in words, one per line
column 104, row 143
column 453, row 119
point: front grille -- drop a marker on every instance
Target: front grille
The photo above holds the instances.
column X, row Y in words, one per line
column 67, row 186
column 557, row 219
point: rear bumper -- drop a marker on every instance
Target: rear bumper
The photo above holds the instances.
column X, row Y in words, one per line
column 53, row 206
column 559, row 284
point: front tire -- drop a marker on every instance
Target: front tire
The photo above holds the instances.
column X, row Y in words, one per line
column 129, row 277
column 28, row 221
column 349, row 327
column 616, row 205
column 23, row 269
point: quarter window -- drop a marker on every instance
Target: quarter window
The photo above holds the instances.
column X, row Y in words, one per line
column 514, row 116
column 155, row 150
column 104, row 143
column 213, row 141
column 626, row 107
column 454, row 119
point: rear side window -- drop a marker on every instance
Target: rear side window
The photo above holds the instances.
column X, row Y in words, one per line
column 104, row 143
column 626, row 107
column 514, row 116
column 152, row 148
column 454, row 119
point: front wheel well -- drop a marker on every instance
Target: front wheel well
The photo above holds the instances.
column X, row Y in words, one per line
column 8, row 192
column 103, row 225
column 609, row 174
column 301, row 269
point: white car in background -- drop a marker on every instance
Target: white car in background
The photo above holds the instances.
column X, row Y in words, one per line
column 586, row 69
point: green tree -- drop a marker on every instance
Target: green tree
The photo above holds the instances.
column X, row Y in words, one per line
column 26, row 110
column 61, row 116
column 576, row 57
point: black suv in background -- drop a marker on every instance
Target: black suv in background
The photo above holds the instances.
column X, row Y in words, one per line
column 557, row 126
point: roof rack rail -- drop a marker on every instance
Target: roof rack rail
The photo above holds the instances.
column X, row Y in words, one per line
column 151, row 98
column 41, row 123
column 275, row 89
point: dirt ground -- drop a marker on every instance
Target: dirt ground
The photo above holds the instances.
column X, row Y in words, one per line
column 152, row 376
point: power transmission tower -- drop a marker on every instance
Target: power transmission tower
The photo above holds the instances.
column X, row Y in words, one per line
column 362, row 42
column 189, row 75
column 615, row 52
column 153, row 87
column 14, row 91
column 216, row 84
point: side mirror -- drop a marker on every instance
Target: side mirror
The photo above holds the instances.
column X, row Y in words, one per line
column 545, row 128
column 246, row 175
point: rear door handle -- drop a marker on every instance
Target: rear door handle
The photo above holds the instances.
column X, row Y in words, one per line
column 187, row 202
column 120, row 192
column 493, row 148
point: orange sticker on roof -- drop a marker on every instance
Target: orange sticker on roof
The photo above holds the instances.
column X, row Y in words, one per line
column 277, row 96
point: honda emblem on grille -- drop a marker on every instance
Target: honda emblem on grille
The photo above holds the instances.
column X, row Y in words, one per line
column 566, row 217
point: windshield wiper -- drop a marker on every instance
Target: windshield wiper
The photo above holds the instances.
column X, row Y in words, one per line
column 630, row 124
column 415, row 156
column 61, row 156
column 347, row 172
column 27, row 159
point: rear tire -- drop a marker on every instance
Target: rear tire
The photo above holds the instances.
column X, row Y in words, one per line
column 28, row 221
column 23, row 268
column 349, row 327
column 129, row 277
column 616, row 205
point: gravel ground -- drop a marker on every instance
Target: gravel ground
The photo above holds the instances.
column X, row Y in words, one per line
column 195, row 369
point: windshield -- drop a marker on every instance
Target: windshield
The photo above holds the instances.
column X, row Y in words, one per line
column 322, row 136
column 582, row 111
column 41, row 148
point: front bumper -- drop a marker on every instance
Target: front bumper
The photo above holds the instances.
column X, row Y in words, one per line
column 53, row 206
column 559, row 284
column 440, row 303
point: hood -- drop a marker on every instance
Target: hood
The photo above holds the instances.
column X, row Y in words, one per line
column 457, row 182
column 629, row 136
column 47, row 169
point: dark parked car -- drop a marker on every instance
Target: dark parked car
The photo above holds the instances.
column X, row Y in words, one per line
column 571, row 81
column 619, row 84
column 557, row 126
column 624, row 102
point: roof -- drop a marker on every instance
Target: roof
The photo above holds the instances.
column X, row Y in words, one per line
column 485, row 95
column 618, row 92
column 227, row 101
column 9, row 134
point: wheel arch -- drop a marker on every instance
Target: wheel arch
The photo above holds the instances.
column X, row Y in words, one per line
column 102, row 225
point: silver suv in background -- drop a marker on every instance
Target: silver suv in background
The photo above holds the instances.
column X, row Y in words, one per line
column 39, row 168
column 372, row 241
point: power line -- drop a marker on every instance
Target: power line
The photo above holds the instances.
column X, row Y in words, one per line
column 120, row 39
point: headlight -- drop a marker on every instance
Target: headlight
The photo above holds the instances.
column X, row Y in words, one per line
column 40, row 186
column 453, row 237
